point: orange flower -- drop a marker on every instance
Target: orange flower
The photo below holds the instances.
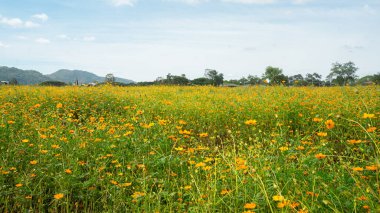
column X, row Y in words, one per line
column 320, row 156
column 330, row 124
column 58, row 196
column 59, row 105
column 371, row 168
column 19, row 185
column 250, row 205
column 371, row 129
column 317, row 119
column 68, row 171
column 33, row 162
column 358, row 169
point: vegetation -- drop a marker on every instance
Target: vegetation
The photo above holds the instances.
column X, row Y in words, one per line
column 189, row 149
column 53, row 83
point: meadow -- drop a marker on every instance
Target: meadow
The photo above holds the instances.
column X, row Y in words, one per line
column 189, row 149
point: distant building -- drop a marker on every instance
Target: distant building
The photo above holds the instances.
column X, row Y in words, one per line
column 4, row 82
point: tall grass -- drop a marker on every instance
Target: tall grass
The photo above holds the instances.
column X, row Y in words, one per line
column 189, row 149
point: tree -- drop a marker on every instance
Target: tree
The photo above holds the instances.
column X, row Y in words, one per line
column 343, row 73
column 253, row 80
column 297, row 80
column 313, row 79
column 376, row 78
column 215, row 77
column 110, row 78
column 13, row 81
column 201, row 81
column 274, row 75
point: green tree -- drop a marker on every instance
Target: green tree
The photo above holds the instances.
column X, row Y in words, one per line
column 343, row 74
column 313, row 79
column 201, row 81
column 253, row 80
column 215, row 77
column 274, row 74
column 110, row 78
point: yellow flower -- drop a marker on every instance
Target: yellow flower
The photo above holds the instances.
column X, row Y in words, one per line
column 322, row 134
column 201, row 164
column 126, row 184
column 278, row 198
column 250, row 205
column 25, row 141
column 58, row 196
column 368, row 115
column 283, row 148
column 317, row 119
column 330, row 124
column 250, row 122
column 224, row 191
column 203, row 135
column 187, row 187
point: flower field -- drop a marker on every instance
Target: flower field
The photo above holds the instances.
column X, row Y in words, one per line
column 189, row 149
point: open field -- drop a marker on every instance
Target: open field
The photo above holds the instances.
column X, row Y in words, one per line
column 189, row 149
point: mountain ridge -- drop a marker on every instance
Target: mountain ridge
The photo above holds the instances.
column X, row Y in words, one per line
column 30, row 77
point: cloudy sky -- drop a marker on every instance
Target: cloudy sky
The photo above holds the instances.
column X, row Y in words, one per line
column 144, row 39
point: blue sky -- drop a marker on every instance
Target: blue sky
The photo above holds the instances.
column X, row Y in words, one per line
column 145, row 39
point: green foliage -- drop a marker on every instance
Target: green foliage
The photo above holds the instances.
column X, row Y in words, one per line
column 275, row 75
column 53, row 83
column 215, row 77
column 26, row 77
column 343, row 74
column 201, row 81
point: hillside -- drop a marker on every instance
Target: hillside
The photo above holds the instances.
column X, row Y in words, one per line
column 83, row 77
column 28, row 77
column 22, row 76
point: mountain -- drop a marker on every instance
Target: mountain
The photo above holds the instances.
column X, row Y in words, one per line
column 28, row 77
column 83, row 77
column 22, row 76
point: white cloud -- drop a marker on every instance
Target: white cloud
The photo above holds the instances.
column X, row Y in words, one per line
column 30, row 24
column 118, row 3
column 42, row 17
column 17, row 22
column 190, row 2
column 89, row 38
column 301, row 1
column 12, row 22
column 251, row 1
column 63, row 36
column 2, row 45
column 42, row 41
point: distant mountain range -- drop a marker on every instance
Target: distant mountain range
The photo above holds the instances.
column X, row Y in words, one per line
column 29, row 77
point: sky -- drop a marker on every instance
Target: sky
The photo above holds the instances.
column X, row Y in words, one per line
column 145, row 39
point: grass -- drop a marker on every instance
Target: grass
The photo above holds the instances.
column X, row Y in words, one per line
column 189, row 149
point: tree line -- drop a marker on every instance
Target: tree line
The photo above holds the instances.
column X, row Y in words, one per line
column 340, row 74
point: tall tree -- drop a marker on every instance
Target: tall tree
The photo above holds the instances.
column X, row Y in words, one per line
column 313, row 79
column 110, row 78
column 343, row 73
column 215, row 77
column 275, row 76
